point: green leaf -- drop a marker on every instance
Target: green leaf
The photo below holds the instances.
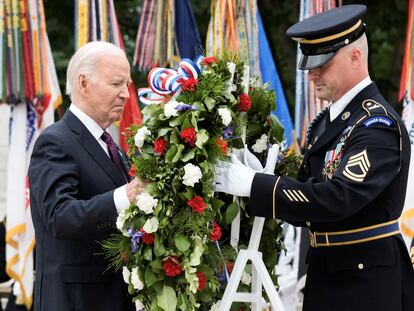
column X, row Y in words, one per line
column 147, row 253
column 216, row 203
column 182, row 243
column 167, row 300
column 231, row 212
column 151, row 110
column 210, row 103
column 149, row 277
column 177, row 121
column 164, row 131
column 174, row 140
column 202, row 137
column 159, row 248
column 156, row 264
column 188, row 156
column 186, row 124
column 189, row 193
column 182, row 302
column 177, row 156
column 172, row 151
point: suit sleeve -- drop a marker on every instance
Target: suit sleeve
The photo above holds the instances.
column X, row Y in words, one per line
column 370, row 161
column 53, row 179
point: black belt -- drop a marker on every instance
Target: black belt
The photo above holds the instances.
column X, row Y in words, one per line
column 360, row 235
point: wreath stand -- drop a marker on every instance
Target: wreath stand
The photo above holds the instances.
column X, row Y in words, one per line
column 260, row 276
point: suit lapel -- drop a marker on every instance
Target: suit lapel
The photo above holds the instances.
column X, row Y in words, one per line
column 92, row 147
column 338, row 125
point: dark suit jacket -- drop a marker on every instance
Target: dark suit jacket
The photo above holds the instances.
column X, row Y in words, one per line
column 346, row 194
column 72, row 181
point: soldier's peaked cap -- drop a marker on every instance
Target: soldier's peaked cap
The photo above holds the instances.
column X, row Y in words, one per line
column 321, row 35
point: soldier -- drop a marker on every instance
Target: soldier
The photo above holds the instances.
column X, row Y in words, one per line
column 351, row 185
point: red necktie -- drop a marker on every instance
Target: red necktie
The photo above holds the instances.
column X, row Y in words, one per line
column 113, row 152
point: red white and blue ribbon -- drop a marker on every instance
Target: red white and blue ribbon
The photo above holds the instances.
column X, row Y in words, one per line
column 165, row 82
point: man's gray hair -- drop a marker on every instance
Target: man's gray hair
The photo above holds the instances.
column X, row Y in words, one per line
column 85, row 59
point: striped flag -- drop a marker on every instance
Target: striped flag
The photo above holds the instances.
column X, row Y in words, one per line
column 97, row 21
column 29, row 84
column 407, row 94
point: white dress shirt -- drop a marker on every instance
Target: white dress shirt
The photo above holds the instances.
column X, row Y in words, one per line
column 337, row 107
column 120, row 194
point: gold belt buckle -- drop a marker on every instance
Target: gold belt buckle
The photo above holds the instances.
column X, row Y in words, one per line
column 312, row 238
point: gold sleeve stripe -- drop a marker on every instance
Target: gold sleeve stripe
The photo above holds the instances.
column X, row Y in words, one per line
column 274, row 197
column 329, row 38
column 303, row 196
column 294, row 195
column 288, row 195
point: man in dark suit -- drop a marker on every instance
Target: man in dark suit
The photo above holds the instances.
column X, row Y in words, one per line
column 78, row 185
column 351, row 185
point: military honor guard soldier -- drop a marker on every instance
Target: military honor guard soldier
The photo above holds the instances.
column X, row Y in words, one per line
column 351, row 186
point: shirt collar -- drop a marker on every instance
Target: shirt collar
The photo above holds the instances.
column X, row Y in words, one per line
column 89, row 123
column 337, row 107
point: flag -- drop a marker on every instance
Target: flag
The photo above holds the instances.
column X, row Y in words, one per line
column 270, row 75
column 31, row 87
column 97, row 21
column 407, row 93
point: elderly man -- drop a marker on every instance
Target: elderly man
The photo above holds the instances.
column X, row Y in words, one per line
column 351, row 185
column 78, row 185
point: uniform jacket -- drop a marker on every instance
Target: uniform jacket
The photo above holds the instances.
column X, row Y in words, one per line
column 71, row 193
column 353, row 175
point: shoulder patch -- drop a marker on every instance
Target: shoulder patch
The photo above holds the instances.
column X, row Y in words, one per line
column 379, row 120
column 373, row 107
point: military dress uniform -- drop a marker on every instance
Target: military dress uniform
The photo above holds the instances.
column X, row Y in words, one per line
column 350, row 189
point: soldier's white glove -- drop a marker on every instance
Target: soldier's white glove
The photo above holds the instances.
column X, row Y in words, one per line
column 233, row 177
column 250, row 160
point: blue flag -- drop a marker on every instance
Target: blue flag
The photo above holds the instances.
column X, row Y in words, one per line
column 270, row 75
column 188, row 38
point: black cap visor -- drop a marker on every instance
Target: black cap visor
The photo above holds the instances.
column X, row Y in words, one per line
column 307, row 62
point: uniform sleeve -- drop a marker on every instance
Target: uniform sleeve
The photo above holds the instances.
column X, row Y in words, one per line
column 53, row 179
column 369, row 162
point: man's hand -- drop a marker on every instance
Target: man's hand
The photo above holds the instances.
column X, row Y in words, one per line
column 133, row 188
column 234, row 178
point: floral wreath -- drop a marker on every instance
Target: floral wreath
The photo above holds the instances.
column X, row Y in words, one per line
column 173, row 248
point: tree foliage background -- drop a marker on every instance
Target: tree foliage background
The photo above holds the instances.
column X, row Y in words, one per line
column 386, row 22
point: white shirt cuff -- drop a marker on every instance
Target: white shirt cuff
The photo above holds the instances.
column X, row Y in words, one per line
column 121, row 199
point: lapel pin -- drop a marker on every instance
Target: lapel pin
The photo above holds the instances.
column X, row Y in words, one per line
column 346, row 115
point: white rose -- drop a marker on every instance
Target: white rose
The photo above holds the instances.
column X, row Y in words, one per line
column 215, row 306
column 139, row 305
column 246, row 278
column 170, row 108
column 140, row 136
column 192, row 174
column 261, row 144
column 135, row 280
column 151, row 225
column 126, row 274
column 225, row 115
column 120, row 222
column 146, row 202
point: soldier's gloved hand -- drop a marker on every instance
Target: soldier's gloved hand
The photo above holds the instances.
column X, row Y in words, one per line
column 233, row 177
column 250, row 160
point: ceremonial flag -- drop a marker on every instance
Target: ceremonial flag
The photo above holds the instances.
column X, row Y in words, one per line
column 29, row 84
column 97, row 21
column 406, row 93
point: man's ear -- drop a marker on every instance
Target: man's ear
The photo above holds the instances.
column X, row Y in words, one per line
column 356, row 56
column 83, row 84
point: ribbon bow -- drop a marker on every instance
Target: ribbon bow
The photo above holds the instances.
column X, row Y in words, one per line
column 164, row 81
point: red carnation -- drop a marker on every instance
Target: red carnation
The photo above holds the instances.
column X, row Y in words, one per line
column 215, row 234
column 188, row 84
column 209, row 60
column 245, row 103
column 132, row 170
column 189, row 136
column 201, row 281
column 172, row 266
column 160, row 145
column 148, row 238
column 222, row 144
column 197, row 204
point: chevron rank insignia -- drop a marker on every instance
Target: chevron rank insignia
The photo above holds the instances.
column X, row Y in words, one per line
column 295, row 195
column 357, row 167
